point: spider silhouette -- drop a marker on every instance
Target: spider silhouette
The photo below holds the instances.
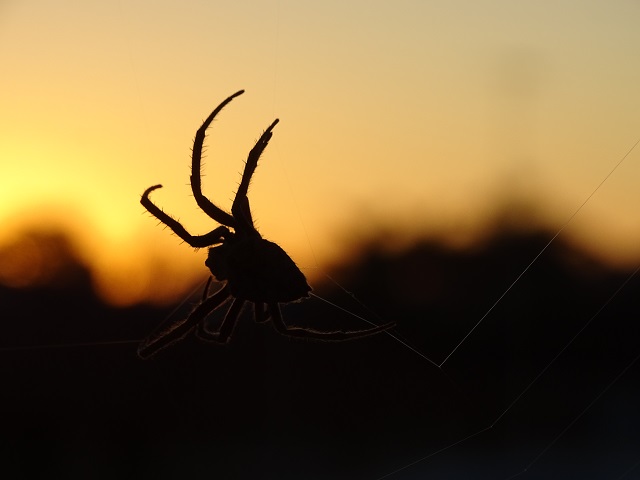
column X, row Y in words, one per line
column 253, row 269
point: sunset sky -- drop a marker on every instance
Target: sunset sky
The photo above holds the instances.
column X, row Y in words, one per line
column 424, row 118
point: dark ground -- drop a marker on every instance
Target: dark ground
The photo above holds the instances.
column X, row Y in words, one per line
column 266, row 406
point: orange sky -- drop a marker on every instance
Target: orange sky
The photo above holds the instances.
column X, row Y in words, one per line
column 423, row 115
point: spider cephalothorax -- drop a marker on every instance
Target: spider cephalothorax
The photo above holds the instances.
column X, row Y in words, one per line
column 254, row 269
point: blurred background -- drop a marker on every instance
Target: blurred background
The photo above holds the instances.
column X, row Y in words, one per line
column 427, row 117
column 427, row 152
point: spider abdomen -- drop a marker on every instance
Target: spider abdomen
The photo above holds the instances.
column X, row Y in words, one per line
column 257, row 270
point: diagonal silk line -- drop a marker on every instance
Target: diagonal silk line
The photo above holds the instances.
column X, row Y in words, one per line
column 566, row 223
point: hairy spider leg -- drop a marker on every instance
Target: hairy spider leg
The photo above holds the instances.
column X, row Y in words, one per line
column 203, row 202
column 226, row 329
column 177, row 330
column 205, row 292
column 335, row 336
column 217, row 235
column 259, row 312
column 240, row 209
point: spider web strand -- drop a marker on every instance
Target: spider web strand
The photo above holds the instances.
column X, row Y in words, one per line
column 629, row 470
column 578, row 417
column 606, row 303
column 566, row 223
column 67, row 345
column 432, row 454
column 397, row 337
column 109, row 342
column 528, row 387
column 373, row 324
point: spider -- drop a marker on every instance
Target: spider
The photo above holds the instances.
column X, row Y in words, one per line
column 251, row 268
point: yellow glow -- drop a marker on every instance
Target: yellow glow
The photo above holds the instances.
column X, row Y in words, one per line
column 428, row 118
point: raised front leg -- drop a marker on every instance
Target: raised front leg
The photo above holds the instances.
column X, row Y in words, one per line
column 203, row 202
column 215, row 236
column 240, row 208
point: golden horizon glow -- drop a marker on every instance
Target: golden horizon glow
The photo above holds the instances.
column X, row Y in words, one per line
column 430, row 117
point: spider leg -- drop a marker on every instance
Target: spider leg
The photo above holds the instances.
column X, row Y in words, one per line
column 240, row 209
column 335, row 336
column 242, row 213
column 177, row 330
column 203, row 202
column 260, row 315
column 216, row 235
column 227, row 327
column 205, row 292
